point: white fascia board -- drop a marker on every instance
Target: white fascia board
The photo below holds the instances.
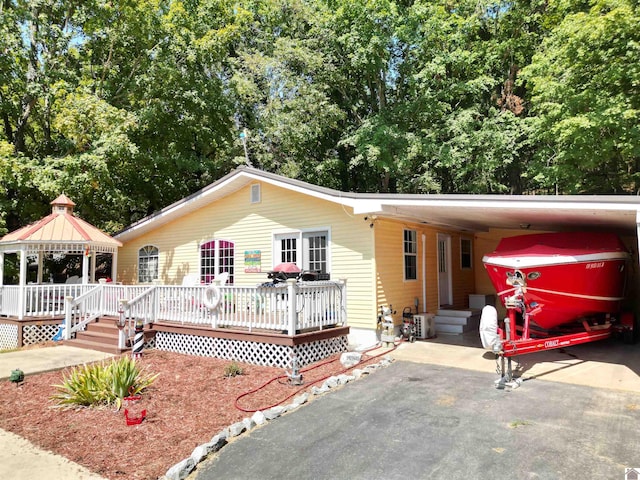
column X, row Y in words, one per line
column 518, row 203
column 333, row 196
column 361, row 207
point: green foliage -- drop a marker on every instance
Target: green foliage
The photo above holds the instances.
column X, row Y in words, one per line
column 233, row 369
column 102, row 384
column 129, row 105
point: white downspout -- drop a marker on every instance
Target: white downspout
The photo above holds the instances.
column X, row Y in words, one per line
column 424, row 273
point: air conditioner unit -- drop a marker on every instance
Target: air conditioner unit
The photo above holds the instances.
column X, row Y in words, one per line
column 425, row 325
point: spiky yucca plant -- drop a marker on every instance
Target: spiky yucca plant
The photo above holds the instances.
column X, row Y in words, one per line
column 102, row 384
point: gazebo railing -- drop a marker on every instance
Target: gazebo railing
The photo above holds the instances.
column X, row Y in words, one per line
column 46, row 300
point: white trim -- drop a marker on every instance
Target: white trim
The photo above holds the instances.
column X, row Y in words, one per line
column 545, row 260
column 138, row 263
column 570, row 210
column 564, row 294
column 301, row 255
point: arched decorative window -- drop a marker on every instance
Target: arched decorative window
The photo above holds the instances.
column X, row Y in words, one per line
column 216, row 257
column 148, row 264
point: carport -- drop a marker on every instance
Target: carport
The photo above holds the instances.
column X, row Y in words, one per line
column 491, row 217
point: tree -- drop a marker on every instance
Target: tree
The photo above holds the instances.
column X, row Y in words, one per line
column 584, row 82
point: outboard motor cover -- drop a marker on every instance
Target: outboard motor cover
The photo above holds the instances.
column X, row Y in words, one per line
column 489, row 327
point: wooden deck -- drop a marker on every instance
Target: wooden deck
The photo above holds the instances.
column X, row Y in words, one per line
column 258, row 346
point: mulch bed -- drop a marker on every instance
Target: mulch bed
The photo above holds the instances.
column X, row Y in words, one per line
column 191, row 401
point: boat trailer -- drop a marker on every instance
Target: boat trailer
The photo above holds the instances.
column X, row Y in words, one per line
column 521, row 337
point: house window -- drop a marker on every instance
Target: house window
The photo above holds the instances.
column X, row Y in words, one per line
column 308, row 250
column 147, row 264
column 289, row 250
column 216, row 257
column 410, row 255
column 466, row 260
column 315, row 247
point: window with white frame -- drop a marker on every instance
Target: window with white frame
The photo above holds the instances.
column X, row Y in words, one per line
column 216, row 257
column 148, row 260
column 410, row 246
column 308, row 250
column 466, row 249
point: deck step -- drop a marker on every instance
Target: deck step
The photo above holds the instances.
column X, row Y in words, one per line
column 101, row 335
column 98, row 346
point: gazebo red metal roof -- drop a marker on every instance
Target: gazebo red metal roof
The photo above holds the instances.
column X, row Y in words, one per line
column 61, row 227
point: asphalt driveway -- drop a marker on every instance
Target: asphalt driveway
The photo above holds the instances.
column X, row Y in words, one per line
column 424, row 421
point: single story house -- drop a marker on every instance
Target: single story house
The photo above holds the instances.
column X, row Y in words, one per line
column 418, row 253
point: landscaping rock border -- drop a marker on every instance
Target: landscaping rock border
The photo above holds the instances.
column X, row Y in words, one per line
column 182, row 469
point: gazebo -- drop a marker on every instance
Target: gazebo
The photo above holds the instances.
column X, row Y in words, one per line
column 60, row 233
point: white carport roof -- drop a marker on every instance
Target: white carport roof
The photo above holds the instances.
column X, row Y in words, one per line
column 615, row 213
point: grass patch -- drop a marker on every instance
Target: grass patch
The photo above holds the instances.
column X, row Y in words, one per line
column 232, row 370
column 519, row 423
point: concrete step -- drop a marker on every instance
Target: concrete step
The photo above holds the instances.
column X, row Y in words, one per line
column 445, row 328
column 469, row 312
column 457, row 321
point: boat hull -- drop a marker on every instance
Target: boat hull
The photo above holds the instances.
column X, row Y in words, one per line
column 567, row 276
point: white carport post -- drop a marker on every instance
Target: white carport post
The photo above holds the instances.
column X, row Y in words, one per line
column 23, row 283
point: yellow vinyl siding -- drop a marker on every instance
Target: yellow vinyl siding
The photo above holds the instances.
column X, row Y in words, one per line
column 392, row 288
column 251, row 227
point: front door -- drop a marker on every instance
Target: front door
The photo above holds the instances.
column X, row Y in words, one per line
column 444, row 270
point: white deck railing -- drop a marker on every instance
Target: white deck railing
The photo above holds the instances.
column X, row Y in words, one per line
column 316, row 305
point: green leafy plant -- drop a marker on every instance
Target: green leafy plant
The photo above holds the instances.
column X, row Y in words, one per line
column 233, row 369
column 102, row 384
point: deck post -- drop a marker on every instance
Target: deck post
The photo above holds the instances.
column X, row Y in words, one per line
column 23, row 282
column 343, row 300
column 292, row 307
column 68, row 312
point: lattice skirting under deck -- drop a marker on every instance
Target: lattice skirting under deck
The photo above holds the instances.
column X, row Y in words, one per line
column 8, row 336
column 255, row 353
column 32, row 334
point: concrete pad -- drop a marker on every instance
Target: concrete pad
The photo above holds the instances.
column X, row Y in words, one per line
column 46, row 359
column 607, row 364
column 424, row 421
column 21, row 460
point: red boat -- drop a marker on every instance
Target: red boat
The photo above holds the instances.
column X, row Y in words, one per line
column 567, row 275
column 560, row 289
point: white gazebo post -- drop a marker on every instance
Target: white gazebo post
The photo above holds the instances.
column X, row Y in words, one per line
column 22, row 282
column 1, row 269
column 85, row 266
column 93, row 267
column 39, row 277
column 114, row 266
